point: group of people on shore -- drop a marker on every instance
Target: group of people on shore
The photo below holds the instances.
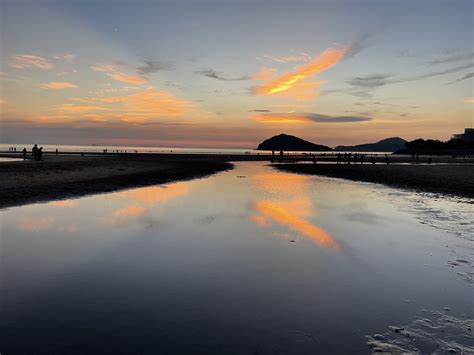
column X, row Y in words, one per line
column 36, row 153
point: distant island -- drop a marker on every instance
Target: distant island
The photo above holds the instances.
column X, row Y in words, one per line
column 385, row 145
column 291, row 143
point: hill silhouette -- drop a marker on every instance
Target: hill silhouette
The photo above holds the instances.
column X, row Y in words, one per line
column 385, row 145
column 287, row 142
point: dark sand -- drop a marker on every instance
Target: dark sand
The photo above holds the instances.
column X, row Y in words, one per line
column 70, row 176
column 455, row 180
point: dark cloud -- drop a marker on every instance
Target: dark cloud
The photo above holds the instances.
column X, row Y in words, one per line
column 257, row 110
column 452, row 59
column 315, row 117
column 467, row 76
column 151, row 66
column 328, row 119
column 211, row 73
column 370, row 81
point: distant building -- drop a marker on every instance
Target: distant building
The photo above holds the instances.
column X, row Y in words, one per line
column 467, row 136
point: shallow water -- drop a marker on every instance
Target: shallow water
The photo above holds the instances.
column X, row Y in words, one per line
column 249, row 261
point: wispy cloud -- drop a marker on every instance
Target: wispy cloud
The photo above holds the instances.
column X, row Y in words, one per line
column 67, row 57
column 260, row 110
column 23, row 61
column 130, row 79
column 300, row 57
column 453, row 59
column 115, row 71
column 306, row 117
column 58, row 85
column 467, row 76
column 211, row 73
column 264, row 74
column 151, row 66
column 295, row 82
column 378, row 80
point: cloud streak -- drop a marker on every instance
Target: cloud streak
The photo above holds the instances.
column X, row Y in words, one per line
column 465, row 77
column 211, row 73
column 452, row 59
column 295, row 81
column 58, row 85
column 151, row 66
column 306, row 117
column 24, row 61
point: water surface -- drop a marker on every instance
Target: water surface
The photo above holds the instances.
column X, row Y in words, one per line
column 249, row 261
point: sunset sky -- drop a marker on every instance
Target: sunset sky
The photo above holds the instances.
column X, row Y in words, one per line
column 232, row 73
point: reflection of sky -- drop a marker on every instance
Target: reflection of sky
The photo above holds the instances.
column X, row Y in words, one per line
column 213, row 256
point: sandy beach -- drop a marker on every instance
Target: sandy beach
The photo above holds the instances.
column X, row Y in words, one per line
column 70, row 176
column 450, row 179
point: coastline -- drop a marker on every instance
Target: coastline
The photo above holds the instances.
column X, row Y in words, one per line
column 62, row 177
column 457, row 180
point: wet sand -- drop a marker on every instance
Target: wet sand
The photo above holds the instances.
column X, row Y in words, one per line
column 70, row 176
column 455, row 180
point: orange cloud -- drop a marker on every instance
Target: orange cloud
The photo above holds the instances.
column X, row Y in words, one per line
column 57, row 85
column 152, row 102
column 469, row 101
column 130, row 79
column 23, row 61
column 295, row 80
column 282, row 215
column 264, row 74
column 80, row 108
column 280, row 118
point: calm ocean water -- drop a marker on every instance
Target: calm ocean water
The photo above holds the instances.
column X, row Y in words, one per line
column 248, row 261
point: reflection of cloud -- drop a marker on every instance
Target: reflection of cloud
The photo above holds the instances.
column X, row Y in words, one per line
column 295, row 80
column 280, row 182
column 64, row 203
column 33, row 224
column 22, row 61
column 121, row 216
column 57, row 85
column 154, row 195
column 306, row 117
column 286, row 216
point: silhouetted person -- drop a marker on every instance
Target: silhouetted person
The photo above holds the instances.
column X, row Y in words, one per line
column 24, row 153
column 349, row 158
column 34, row 152
column 430, row 160
column 338, row 158
column 57, row 151
column 40, row 153
column 273, row 155
column 281, row 155
column 372, row 158
column 387, row 159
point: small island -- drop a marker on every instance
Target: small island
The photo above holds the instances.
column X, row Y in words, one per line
column 385, row 145
column 286, row 142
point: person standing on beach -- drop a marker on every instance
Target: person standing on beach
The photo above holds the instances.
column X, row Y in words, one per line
column 34, row 152
column 24, row 153
column 40, row 153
